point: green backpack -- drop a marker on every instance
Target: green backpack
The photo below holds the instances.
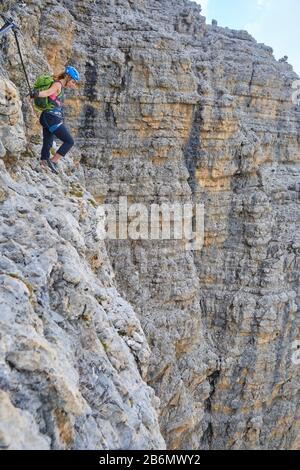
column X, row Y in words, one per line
column 43, row 82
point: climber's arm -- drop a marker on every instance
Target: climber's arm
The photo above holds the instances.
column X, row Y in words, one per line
column 53, row 90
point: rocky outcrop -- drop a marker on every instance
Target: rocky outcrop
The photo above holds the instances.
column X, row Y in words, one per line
column 73, row 355
column 171, row 110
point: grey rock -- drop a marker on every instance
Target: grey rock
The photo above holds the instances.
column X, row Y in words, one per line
column 123, row 342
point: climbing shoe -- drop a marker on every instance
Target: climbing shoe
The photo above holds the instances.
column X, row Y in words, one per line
column 52, row 166
column 55, row 164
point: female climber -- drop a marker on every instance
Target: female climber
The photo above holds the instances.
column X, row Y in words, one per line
column 52, row 119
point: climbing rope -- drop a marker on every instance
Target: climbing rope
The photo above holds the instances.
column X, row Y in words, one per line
column 10, row 25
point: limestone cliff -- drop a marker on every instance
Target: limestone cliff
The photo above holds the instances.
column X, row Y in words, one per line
column 141, row 344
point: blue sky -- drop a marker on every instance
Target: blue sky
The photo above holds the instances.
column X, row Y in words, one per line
column 274, row 22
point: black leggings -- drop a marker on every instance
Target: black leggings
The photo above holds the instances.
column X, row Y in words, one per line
column 48, row 120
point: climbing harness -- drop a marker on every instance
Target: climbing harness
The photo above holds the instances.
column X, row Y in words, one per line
column 55, row 116
column 54, row 126
column 10, row 25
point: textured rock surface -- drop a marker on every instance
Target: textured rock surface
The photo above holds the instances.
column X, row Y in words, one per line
column 171, row 110
column 72, row 354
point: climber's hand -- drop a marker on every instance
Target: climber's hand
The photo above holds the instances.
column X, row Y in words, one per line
column 34, row 94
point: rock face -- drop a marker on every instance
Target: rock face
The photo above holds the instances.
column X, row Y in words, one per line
column 115, row 344
column 73, row 356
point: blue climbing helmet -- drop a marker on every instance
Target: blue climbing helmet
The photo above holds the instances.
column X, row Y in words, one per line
column 72, row 72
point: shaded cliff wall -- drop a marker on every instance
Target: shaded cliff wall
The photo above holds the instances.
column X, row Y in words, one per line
column 174, row 110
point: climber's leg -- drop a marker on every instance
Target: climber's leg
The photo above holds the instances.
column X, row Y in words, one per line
column 63, row 134
column 47, row 143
